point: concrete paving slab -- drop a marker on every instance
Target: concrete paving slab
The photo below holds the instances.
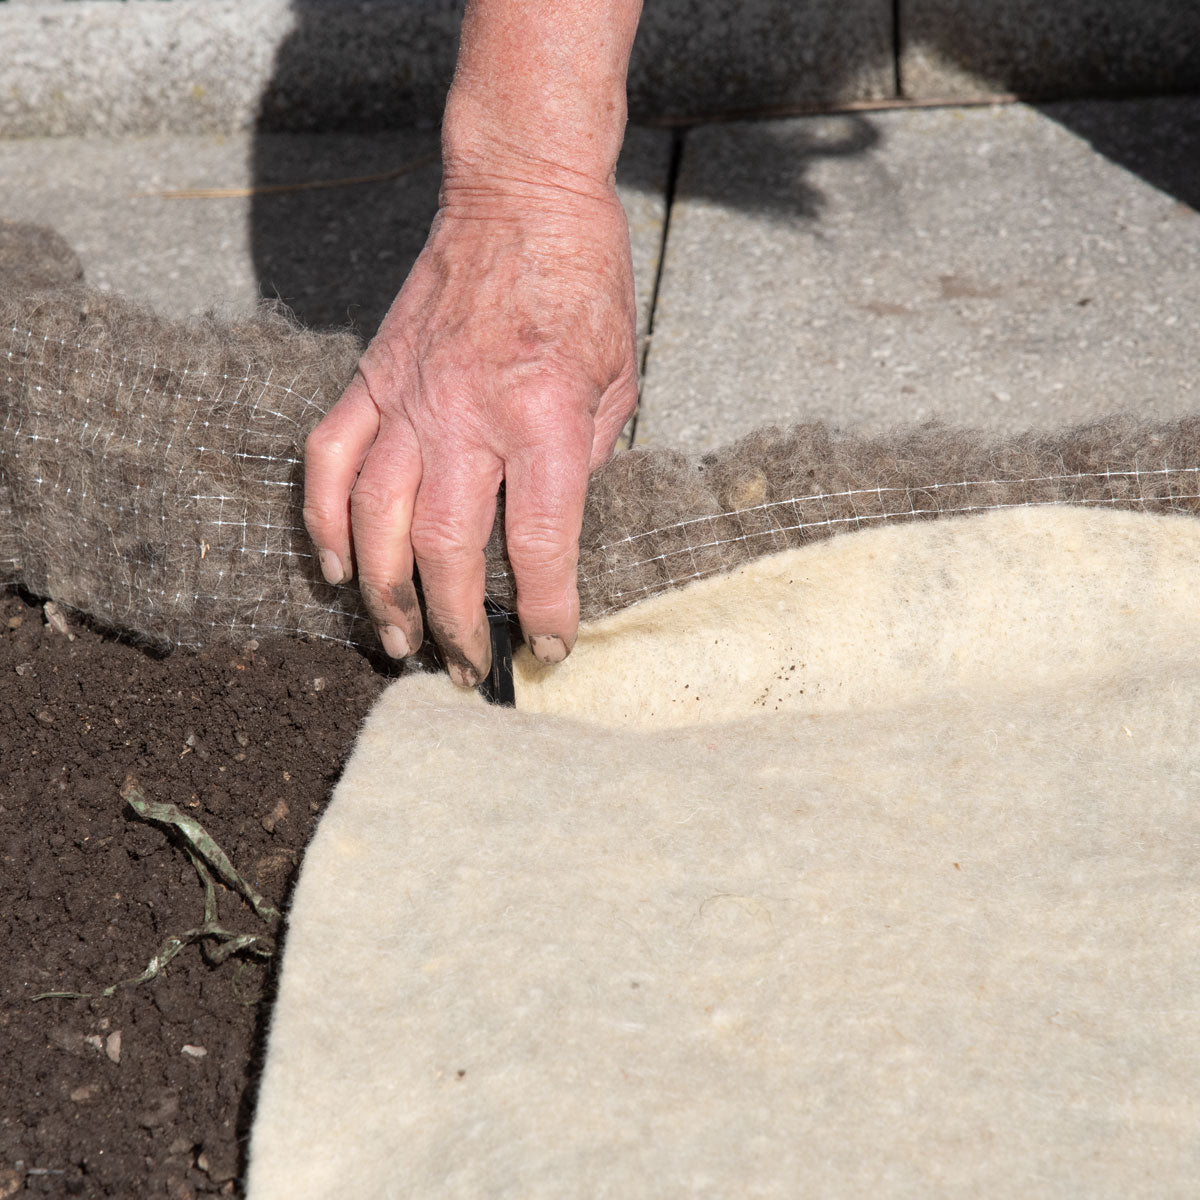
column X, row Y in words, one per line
column 697, row 57
column 960, row 48
column 223, row 66
column 983, row 266
column 210, row 66
column 335, row 255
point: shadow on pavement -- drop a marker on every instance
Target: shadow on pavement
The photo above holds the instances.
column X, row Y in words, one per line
column 338, row 256
column 1158, row 139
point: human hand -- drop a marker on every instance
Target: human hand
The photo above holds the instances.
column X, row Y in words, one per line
column 509, row 354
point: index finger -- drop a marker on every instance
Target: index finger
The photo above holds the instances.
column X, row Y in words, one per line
column 333, row 456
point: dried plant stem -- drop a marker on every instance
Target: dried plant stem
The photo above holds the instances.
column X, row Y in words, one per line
column 198, row 843
column 217, row 943
column 279, row 189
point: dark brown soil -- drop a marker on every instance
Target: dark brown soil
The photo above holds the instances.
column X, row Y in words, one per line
column 149, row 1092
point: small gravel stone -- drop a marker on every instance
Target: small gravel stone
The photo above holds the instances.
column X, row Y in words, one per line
column 56, row 620
column 277, row 814
column 164, row 1109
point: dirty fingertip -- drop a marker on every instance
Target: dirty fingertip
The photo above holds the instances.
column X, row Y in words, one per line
column 548, row 648
column 406, row 615
column 394, row 641
column 461, row 669
column 331, row 567
column 463, row 674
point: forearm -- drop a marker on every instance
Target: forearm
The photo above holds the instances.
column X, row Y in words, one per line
column 539, row 94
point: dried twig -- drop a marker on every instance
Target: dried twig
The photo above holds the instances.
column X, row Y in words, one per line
column 218, row 944
column 279, row 189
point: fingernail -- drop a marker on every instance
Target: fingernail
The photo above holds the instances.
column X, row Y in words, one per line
column 548, row 649
column 394, row 641
column 464, row 675
column 331, row 566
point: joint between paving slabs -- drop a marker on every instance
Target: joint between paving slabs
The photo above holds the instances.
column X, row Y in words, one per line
column 674, row 164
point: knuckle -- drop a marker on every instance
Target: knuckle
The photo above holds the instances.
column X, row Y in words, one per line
column 628, row 403
column 319, row 515
column 382, row 359
column 451, row 376
column 549, row 389
column 542, row 546
column 381, row 364
column 549, row 406
column 377, row 371
column 323, row 442
column 374, row 502
column 436, row 536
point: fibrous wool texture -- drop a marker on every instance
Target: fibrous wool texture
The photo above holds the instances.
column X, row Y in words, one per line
column 151, row 470
column 877, row 937
column 151, row 476
column 932, row 612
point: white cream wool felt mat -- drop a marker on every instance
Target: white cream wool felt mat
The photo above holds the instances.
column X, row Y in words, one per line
column 1020, row 598
column 929, row 927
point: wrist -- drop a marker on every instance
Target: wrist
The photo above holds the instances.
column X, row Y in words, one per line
column 538, row 99
column 544, row 144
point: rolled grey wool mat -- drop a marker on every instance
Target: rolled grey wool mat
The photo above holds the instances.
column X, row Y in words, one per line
column 151, row 472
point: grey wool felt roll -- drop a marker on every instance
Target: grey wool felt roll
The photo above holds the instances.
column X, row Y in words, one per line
column 925, row 924
column 151, row 472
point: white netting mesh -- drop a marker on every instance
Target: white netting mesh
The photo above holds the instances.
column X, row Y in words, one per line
column 765, row 528
column 152, row 477
column 161, row 495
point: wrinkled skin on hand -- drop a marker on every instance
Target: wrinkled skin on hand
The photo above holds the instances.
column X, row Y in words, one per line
column 508, row 355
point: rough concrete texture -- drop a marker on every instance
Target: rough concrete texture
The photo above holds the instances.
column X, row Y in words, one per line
column 220, row 66
column 698, row 57
column 983, row 266
column 202, row 66
column 334, row 255
column 139, row 67
column 180, row 256
column 959, row 48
